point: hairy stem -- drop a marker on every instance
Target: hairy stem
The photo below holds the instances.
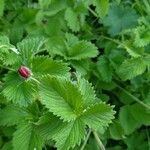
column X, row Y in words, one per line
column 133, row 97
column 99, row 142
column 86, row 140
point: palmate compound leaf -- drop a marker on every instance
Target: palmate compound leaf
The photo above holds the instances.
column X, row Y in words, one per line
column 70, row 102
column 18, row 90
column 67, row 100
column 43, row 65
column 12, row 115
column 26, row 138
column 131, row 68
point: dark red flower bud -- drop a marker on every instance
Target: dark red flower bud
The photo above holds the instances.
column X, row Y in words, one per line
column 24, row 71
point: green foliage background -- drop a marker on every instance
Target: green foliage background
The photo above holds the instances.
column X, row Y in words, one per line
column 90, row 82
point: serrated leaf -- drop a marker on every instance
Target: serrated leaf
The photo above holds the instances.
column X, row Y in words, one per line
column 127, row 120
column 29, row 47
column 18, row 90
column 26, row 138
column 12, row 115
column 55, row 46
column 72, row 19
column 82, row 50
column 44, row 65
column 120, row 18
column 104, row 69
column 71, row 48
column 98, row 115
column 102, row 7
column 87, row 91
column 61, row 97
column 131, row 68
column 142, row 36
column 48, row 125
column 69, row 135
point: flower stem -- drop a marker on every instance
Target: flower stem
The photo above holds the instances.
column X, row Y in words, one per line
column 86, row 140
column 99, row 142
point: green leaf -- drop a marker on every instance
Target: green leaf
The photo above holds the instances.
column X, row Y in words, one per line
column 29, row 47
column 55, row 46
column 82, row 50
column 43, row 65
column 18, row 90
column 72, row 19
column 48, row 125
column 61, row 97
column 141, row 114
column 69, row 135
column 104, row 69
column 87, row 90
column 98, row 115
column 116, row 130
column 142, row 36
column 131, row 49
column 131, row 68
column 71, row 48
column 120, row 18
column 102, row 7
column 2, row 4
column 27, row 138
column 12, row 115
column 127, row 120
column 65, row 134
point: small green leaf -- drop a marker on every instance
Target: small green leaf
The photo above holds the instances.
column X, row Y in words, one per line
column 104, row 68
column 131, row 68
column 116, row 130
column 102, row 7
column 82, row 50
column 127, row 120
column 141, row 114
column 72, row 19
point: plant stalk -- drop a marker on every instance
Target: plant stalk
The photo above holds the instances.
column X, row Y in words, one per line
column 133, row 97
column 86, row 140
column 99, row 142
